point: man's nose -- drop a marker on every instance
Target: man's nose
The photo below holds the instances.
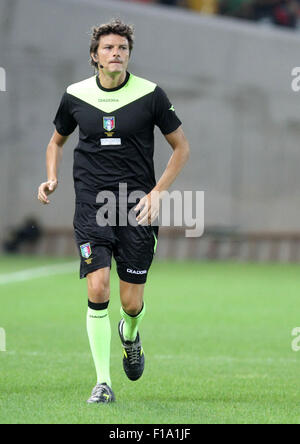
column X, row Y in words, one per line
column 117, row 52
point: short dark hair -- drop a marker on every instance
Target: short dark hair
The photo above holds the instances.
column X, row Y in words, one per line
column 115, row 26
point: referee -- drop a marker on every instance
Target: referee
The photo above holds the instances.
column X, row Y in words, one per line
column 116, row 113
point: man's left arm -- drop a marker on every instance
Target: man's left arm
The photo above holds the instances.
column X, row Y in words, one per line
column 150, row 203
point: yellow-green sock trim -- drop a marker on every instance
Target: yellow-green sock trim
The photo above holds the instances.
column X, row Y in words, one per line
column 131, row 323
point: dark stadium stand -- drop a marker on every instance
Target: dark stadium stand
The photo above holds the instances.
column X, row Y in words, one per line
column 217, row 244
column 283, row 13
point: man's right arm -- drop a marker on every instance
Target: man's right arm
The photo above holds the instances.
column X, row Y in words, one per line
column 53, row 159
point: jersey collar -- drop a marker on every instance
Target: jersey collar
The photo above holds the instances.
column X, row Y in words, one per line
column 112, row 89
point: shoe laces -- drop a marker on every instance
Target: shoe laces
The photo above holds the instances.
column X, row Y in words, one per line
column 133, row 353
column 98, row 391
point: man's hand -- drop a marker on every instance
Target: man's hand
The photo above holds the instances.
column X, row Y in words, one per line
column 45, row 189
column 149, row 206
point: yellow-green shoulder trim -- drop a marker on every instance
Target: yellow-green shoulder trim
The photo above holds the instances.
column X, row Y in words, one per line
column 109, row 101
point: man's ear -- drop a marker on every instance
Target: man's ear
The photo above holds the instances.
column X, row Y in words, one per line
column 94, row 57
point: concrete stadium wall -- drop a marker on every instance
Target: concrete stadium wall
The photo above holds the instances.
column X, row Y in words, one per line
column 229, row 81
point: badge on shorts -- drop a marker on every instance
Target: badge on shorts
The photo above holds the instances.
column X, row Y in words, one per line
column 109, row 123
column 86, row 250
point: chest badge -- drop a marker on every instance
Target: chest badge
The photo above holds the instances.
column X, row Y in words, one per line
column 109, row 124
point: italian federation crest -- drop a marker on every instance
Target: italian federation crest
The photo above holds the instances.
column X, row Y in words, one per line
column 109, row 123
column 86, row 250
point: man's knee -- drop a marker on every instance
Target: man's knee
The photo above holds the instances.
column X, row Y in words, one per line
column 98, row 287
column 99, row 293
column 132, row 297
column 132, row 308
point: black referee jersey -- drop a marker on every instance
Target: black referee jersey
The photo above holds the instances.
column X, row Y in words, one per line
column 116, row 133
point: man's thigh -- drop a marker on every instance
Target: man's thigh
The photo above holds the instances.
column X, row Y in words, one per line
column 134, row 251
column 94, row 243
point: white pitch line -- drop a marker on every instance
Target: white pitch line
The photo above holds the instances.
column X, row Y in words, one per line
column 40, row 272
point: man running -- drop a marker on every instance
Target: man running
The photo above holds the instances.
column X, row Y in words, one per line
column 116, row 113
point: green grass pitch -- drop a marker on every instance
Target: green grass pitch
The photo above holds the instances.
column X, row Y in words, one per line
column 217, row 340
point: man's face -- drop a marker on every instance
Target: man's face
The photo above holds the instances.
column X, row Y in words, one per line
column 113, row 53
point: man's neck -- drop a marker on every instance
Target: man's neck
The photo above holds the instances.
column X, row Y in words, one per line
column 109, row 81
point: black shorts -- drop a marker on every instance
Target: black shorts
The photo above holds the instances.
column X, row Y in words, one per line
column 132, row 247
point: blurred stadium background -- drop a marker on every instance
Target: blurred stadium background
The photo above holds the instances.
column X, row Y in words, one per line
column 231, row 83
column 227, row 68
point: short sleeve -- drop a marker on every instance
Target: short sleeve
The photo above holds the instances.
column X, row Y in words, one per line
column 164, row 112
column 64, row 121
